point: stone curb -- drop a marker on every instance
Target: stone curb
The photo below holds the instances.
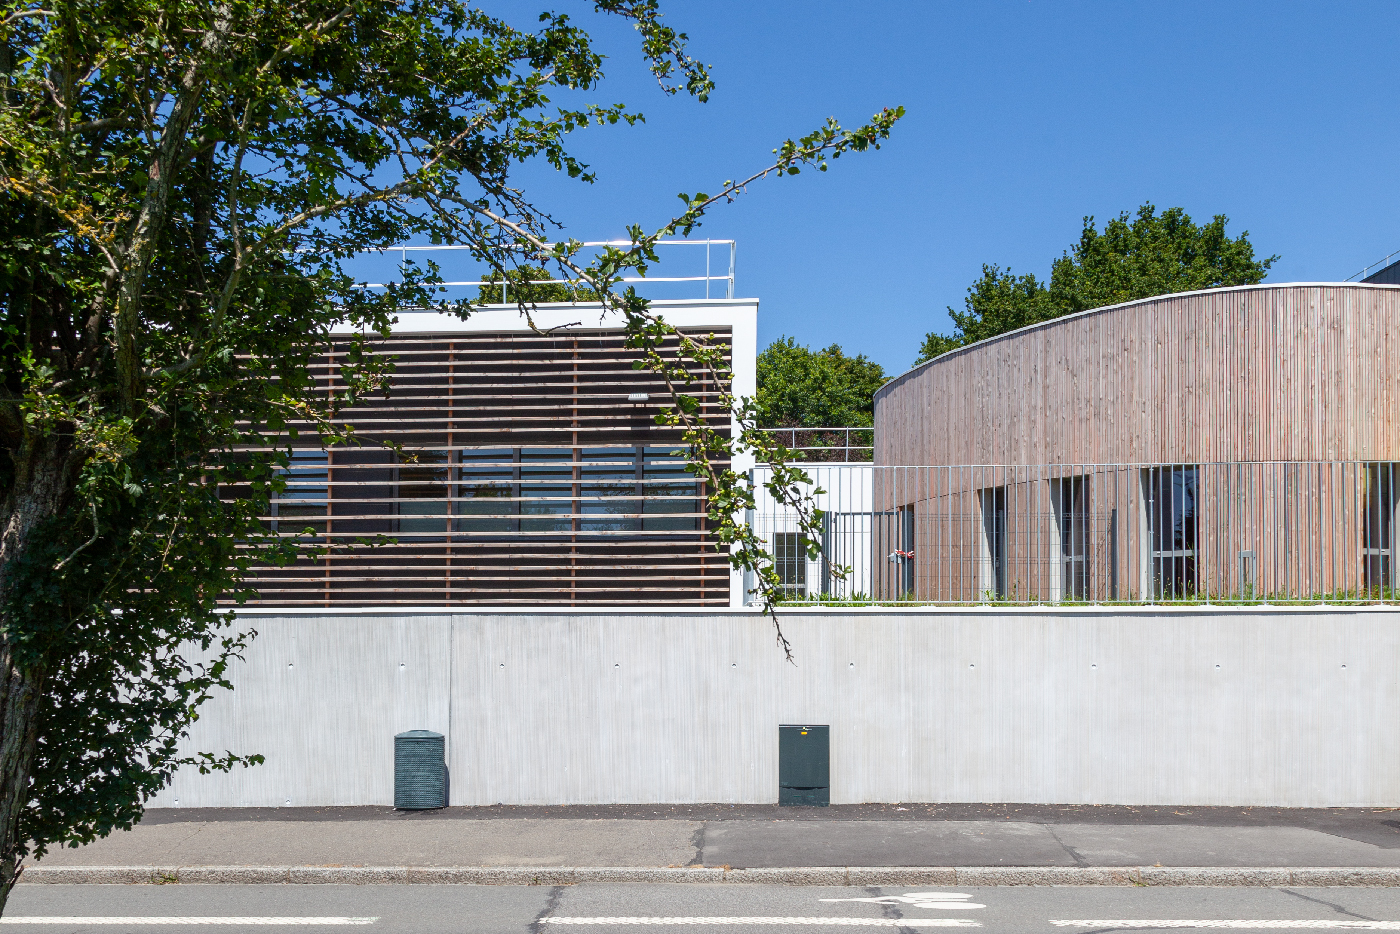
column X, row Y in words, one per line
column 851, row 876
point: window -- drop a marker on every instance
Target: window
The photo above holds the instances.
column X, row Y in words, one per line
column 547, row 490
column 671, row 504
column 610, row 491
column 790, row 561
column 907, row 557
column 301, row 507
column 605, row 489
column 1378, row 525
column 1170, row 501
column 994, row 542
column 488, row 496
column 422, row 495
column 1071, row 500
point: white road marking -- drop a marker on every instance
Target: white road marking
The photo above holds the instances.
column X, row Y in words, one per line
column 1236, row 924
column 82, row 921
column 829, row 922
column 941, row 901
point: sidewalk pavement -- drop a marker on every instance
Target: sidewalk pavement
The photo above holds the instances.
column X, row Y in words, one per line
column 1070, row 843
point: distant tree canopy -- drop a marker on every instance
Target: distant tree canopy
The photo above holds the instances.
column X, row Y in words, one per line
column 1152, row 254
column 803, row 388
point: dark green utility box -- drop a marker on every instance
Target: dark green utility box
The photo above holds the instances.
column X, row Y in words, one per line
column 804, row 766
column 420, row 770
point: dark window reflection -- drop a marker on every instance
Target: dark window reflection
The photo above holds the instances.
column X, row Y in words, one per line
column 1378, row 525
column 1171, row 495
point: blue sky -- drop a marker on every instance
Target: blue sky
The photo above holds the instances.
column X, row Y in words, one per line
column 1022, row 118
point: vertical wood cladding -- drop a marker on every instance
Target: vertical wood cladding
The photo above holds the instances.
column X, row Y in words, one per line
column 523, row 475
column 1257, row 373
column 1276, row 405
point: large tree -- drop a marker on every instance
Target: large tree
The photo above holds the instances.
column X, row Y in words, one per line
column 803, row 388
column 1134, row 257
column 182, row 188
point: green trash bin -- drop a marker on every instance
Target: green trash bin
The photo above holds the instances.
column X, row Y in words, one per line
column 420, row 770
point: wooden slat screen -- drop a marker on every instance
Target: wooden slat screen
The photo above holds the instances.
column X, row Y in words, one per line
column 527, row 477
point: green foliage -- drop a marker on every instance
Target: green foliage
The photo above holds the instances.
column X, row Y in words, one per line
column 1134, row 257
column 1152, row 255
column 996, row 303
column 803, row 388
column 181, row 186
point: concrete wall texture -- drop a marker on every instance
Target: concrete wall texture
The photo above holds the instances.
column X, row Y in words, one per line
column 1264, row 705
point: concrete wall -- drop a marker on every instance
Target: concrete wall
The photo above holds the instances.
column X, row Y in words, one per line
column 1265, row 706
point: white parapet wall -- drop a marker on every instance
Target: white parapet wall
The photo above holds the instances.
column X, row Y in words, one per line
column 853, row 533
column 1252, row 706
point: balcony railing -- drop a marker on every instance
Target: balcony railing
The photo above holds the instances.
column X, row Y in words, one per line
column 841, row 445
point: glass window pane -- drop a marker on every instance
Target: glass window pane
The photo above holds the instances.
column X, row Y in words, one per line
column 611, row 493
column 671, row 503
column 301, row 507
column 422, row 495
column 546, row 490
column 1378, row 522
column 486, row 491
column 1171, row 506
column 994, row 538
column 1072, row 505
column 790, row 561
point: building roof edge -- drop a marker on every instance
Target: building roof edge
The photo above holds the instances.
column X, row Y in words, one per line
column 894, row 380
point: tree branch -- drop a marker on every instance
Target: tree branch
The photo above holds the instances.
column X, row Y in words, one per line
column 59, row 565
column 105, row 124
column 141, row 245
column 21, row 14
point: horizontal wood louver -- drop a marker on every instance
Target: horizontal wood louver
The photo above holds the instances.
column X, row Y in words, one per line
column 526, row 476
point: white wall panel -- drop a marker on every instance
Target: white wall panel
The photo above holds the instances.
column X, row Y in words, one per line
column 1126, row 706
column 320, row 697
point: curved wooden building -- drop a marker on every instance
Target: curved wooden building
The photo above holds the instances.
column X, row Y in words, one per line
column 1255, row 373
column 1230, row 442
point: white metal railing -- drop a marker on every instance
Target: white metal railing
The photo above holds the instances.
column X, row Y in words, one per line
column 727, row 277
column 1315, row 531
column 854, row 444
column 1379, row 264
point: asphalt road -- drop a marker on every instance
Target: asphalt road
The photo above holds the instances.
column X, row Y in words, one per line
column 465, row 909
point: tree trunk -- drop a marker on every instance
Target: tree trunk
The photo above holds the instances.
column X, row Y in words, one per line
column 45, row 477
column 19, row 729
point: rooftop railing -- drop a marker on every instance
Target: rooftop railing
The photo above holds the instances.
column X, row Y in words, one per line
column 844, row 445
column 1374, row 267
column 726, row 263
